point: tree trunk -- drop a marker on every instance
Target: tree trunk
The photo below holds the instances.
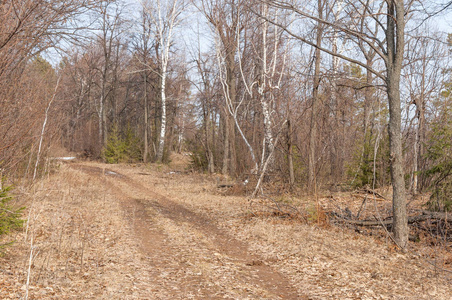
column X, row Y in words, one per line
column 420, row 135
column 161, row 145
column 226, row 142
column 368, row 94
column 290, row 154
column 232, row 151
column 146, row 121
column 44, row 123
column 214, row 139
column 100, row 123
column 421, row 141
column 165, row 26
column 263, row 94
column 208, row 140
column 232, row 94
column 314, row 109
column 335, row 157
column 395, row 39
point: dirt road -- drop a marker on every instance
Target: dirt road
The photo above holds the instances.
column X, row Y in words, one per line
column 101, row 231
column 187, row 255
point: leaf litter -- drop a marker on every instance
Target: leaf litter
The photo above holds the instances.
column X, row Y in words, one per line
column 174, row 236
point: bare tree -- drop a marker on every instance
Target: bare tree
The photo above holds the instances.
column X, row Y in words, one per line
column 423, row 76
column 24, row 34
column 165, row 16
column 207, row 96
column 315, row 101
column 143, row 45
column 390, row 48
column 108, row 38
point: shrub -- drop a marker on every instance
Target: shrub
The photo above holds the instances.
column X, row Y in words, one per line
column 132, row 146
column 361, row 168
column 439, row 154
column 120, row 148
column 10, row 217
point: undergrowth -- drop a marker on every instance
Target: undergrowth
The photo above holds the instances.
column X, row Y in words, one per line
column 10, row 217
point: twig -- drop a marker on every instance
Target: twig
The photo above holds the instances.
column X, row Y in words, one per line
column 436, row 267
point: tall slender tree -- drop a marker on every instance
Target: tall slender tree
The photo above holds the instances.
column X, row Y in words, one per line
column 390, row 49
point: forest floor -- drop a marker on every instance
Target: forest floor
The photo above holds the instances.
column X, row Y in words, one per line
column 100, row 231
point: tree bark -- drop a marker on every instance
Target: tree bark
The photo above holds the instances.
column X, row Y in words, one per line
column 225, row 142
column 262, row 91
column 146, row 121
column 165, row 29
column 290, row 154
column 420, row 135
column 315, row 105
column 232, row 94
column 161, row 145
column 395, row 34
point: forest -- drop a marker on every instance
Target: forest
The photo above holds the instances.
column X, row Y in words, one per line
column 306, row 95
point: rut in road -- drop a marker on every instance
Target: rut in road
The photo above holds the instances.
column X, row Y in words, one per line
column 188, row 255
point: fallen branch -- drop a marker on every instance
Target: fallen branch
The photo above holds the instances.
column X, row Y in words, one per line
column 224, row 185
column 281, row 209
column 426, row 215
column 372, row 192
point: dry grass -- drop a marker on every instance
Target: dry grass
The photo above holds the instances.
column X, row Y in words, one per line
column 82, row 246
column 325, row 263
column 85, row 244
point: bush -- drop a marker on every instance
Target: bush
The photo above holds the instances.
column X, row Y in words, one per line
column 122, row 149
column 361, row 169
column 441, row 198
column 198, row 157
column 133, row 146
column 10, row 217
column 439, row 154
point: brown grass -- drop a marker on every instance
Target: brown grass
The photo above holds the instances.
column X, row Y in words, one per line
column 86, row 246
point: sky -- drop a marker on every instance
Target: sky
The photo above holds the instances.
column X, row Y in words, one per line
column 187, row 35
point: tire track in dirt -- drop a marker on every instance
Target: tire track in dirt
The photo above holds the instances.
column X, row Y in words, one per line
column 155, row 243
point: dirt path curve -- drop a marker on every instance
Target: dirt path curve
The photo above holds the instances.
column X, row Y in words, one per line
column 189, row 257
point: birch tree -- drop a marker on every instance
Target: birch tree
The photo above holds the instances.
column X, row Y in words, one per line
column 271, row 59
column 165, row 16
column 251, row 66
column 224, row 17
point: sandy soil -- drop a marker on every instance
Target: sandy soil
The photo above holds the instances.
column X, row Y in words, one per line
column 158, row 232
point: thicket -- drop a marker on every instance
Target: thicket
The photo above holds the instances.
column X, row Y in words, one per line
column 439, row 172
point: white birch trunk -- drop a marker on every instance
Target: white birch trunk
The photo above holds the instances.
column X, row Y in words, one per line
column 165, row 29
column 163, row 119
column 44, row 124
column 266, row 110
column 263, row 97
